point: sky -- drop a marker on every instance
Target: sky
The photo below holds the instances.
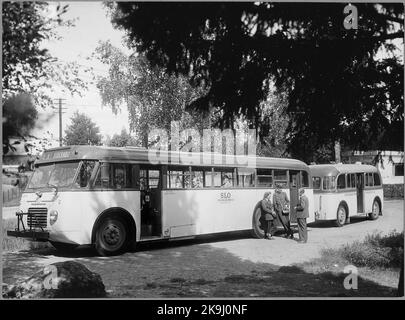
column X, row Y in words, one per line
column 78, row 43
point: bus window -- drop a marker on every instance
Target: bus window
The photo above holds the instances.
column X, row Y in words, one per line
column 175, row 178
column 329, row 183
column 246, row 178
column 196, row 179
column 122, row 176
column 351, row 180
column 264, row 178
column 208, row 175
column 148, row 179
column 280, row 177
column 316, row 182
column 377, row 180
column 341, row 181
column 154, row 178
column 227, row 179
column 86, row 169
column 369, row 179
column 217, row 179
column 304, row 179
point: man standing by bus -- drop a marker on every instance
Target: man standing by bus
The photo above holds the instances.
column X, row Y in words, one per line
column 281, row 206
column 302, row 215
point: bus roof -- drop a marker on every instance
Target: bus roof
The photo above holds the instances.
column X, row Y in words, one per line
column 321, row 170
column 141, row 155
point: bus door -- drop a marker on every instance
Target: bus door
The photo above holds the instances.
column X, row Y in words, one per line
column 151, row 209
column 294, row 197
column 359, row 189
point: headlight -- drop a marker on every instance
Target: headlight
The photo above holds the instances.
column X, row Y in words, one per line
column 53, row 216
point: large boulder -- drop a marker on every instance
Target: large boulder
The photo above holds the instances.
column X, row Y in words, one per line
column 67, row 279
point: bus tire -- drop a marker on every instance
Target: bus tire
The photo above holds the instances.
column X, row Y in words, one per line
column 257, row 231
column 376, row 210
column 111, row 236
column 341, row 215
column 63, row 247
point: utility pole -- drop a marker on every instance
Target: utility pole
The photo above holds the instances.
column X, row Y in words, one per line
column 60, row 122
column 59, row 110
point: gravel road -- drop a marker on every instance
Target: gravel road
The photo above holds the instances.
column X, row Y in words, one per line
column 163, row 269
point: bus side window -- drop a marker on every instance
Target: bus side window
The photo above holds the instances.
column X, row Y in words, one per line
column 377, row 180
column 316, row 182
column 227, row 179
column 208, row 176
column 351, row 180
column 369, row 179
column 154, row 178
column 280, row 177
column 196, row 179
column 86, row 169
column 265, row 178
column 246, row 177
column 304, row 179
column 341, row 183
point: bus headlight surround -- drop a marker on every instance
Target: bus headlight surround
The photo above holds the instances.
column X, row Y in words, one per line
column 53, row 216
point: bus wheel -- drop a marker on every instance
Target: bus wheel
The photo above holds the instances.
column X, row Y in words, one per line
column 111, row 236
column 64, row 247
column 376, row 211
column 257, row 230
column 341, row 216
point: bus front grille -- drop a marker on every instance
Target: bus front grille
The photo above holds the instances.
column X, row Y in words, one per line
column 37, row 217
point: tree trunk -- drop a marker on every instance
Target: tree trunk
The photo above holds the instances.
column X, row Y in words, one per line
column 337, row 152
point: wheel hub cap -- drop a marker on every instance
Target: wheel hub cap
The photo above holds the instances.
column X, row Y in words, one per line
column 111, row 235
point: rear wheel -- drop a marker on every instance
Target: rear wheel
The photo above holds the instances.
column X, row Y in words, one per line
column 257, row 230
column 376, row 211
column 341, row 216
column 111, row 236
column 64, row 247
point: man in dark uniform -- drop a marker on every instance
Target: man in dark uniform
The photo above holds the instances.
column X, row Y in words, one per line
column 302, row 215
column 268, row 215
column 281, row 202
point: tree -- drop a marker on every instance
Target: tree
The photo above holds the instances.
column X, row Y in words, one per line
column 82, row 131
column 121, row 140
column 339, row 88
column 27, row 66
column 19, row 117
column 153, row 98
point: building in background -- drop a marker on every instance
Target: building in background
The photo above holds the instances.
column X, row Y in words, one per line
column 389, row 163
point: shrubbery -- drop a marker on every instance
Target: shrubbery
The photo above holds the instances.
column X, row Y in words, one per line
column 376, row 251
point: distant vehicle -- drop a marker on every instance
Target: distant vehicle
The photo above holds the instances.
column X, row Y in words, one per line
column 345, row 190
column 114, row 197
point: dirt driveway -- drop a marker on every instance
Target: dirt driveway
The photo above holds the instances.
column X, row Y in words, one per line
column 226, row 266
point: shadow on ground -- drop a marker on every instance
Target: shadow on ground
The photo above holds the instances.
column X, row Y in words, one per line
column 193, row 268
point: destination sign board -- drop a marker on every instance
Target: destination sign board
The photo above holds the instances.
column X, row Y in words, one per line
column 56, row 154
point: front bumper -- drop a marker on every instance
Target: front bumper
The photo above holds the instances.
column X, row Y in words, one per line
column 31, row 234
column 35, row 234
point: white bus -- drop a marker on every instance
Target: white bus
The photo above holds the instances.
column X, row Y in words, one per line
column 345, row 190
column 115, row 197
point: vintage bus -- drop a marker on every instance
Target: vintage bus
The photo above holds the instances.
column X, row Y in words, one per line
column 115, row 197
column 345, row 190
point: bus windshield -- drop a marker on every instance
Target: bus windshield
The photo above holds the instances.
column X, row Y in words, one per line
column 56, row 174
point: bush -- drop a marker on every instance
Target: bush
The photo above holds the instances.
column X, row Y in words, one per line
column 376, row 251
column 14, row 244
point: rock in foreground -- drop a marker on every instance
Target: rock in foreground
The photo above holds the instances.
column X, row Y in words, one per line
column 67, row 279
